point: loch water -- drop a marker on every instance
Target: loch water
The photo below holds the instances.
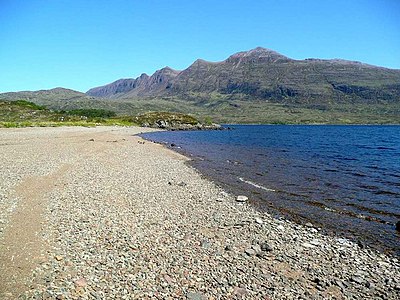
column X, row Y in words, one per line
column 344, row 179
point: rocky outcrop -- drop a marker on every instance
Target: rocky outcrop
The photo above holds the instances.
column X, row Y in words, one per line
column 173, row 121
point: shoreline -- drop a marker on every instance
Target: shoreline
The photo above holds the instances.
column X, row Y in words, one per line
column 126, row 217
column 376, row 230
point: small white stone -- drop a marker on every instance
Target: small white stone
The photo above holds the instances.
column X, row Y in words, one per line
column 242, row 198
column 315, row 242
column 259, row 220
column 280, row 227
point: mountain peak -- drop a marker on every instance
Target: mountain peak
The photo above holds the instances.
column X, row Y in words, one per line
column 260, row 54
column 261, row 50
column 60, row 90
column 167, row 70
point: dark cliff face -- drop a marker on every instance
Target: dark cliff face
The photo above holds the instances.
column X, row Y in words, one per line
column 144, row 85
column 265, row 74
column 154, row 85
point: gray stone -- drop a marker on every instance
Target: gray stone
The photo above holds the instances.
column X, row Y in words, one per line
column 265, row 247
column 256, row 248
column 195, row 296
column 240, row 292
column 250, row 252
column 357, row 279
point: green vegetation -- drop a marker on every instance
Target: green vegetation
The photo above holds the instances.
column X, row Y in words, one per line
column 92, row 113
column 27, row 104
column 14, row 114
column 23, row 113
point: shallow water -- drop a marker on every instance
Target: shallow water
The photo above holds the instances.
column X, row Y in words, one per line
column 345, row 179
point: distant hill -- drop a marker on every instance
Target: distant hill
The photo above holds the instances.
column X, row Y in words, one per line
column 57, row 98
column 262, row 74
column 59, row 93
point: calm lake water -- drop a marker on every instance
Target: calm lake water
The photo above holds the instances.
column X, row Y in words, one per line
column 345, row 179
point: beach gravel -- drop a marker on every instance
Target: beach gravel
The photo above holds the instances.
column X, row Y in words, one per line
column 114, row 217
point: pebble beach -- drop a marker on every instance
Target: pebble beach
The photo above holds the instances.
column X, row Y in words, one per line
column 99, row 213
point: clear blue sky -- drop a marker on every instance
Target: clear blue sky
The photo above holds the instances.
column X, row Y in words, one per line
column 80, row 44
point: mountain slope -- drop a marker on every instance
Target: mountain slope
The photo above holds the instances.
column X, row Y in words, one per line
column 266, row 75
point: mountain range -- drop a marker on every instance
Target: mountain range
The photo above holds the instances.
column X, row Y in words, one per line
column 255, row 86
column 267, row 75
